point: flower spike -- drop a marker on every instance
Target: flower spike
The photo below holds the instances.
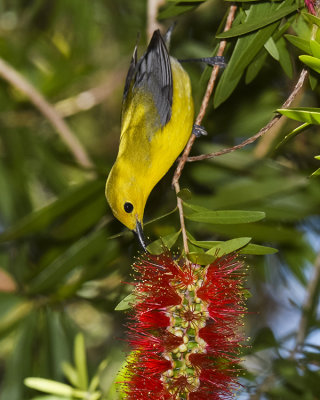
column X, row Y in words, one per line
column 185, row 329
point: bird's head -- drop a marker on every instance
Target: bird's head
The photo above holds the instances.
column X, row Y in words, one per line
column 127, row 200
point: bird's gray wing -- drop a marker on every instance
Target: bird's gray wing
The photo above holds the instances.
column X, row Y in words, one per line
column 151, row 79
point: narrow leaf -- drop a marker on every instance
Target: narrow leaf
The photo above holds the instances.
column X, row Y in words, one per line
column 228, row 247
column 311, row 18
column 316, row 173
column 247, row 249
column 284, row 57
column 247, row 47
column 297, row 41
column 71, row 374
column 271, row 47
column 177, row 9
column 158, row 246
column 315, row 48
column 77, row 254
column 50, row 386
column 253, row 26
column 257, row 249
column 127, row 302
column 201, row 258
column 303, row 114
column 38, row 220
column 311, row 62
column 80, row 361
column 227, row 217
column 256, row 65
column 184, row 194
column 292, row 134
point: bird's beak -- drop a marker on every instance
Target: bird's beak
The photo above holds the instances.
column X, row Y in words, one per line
column 139, row 232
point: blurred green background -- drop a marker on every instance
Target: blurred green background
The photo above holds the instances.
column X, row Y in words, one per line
column 64, row 258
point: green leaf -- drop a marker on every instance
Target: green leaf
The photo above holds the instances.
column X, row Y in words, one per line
column 70, row 373
column 250, row 248
column 256, row 65
column 39, row 220
column 246, row 48
column 227, row 217
column 311, row 62
column 53, row 387
column 14, row 315
column 316, row 172
column 80, row 361
column 272, row 49
column 297, row 41
column 303, row 114
column 201, row 258
column 228, row 247
column 184, row 194
column 256, row 249
column 195, row 207
column 284, row 57
column 172, row 10
column 315, row 48
column 311, row 18
column 95, row 381
column 165, row 242
column 313, row 80
column 81, row 220
column 292, row 134
column 78, row 254
column 127, row 302
column 51, row 398
column 247, row 1
column 186, row 1
column 253, row 26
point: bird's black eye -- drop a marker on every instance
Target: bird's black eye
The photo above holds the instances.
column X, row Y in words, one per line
column 128, row 207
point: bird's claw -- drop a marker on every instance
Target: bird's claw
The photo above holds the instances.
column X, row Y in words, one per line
column 199, row 131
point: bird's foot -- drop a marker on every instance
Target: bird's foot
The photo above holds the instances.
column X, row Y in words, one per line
column 199, row 131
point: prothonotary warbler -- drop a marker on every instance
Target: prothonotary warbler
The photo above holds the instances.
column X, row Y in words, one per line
column 156, row 123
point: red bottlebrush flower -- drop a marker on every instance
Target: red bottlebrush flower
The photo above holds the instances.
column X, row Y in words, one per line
column 310, row 6
column 185, row 330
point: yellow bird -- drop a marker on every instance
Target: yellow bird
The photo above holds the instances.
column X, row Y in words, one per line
column 156, row 123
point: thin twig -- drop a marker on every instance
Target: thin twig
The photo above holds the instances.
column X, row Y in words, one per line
column 201, row 114
column 307, row 304
column 152, row 12
column 17, row 80
column 87, row 99
column 302, row 78
column 183, row 226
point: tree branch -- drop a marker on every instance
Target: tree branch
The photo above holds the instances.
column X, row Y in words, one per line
column 69, row 138
column 89, row 98
column 302, row 78
column 201, row 114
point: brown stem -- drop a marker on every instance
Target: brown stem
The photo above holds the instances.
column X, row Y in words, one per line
column 204, row 105
column 302, row 78
column 183, row 226
column 70, row 139
column 89, row 98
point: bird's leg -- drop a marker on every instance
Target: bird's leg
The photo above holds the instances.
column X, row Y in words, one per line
column 199, row 131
